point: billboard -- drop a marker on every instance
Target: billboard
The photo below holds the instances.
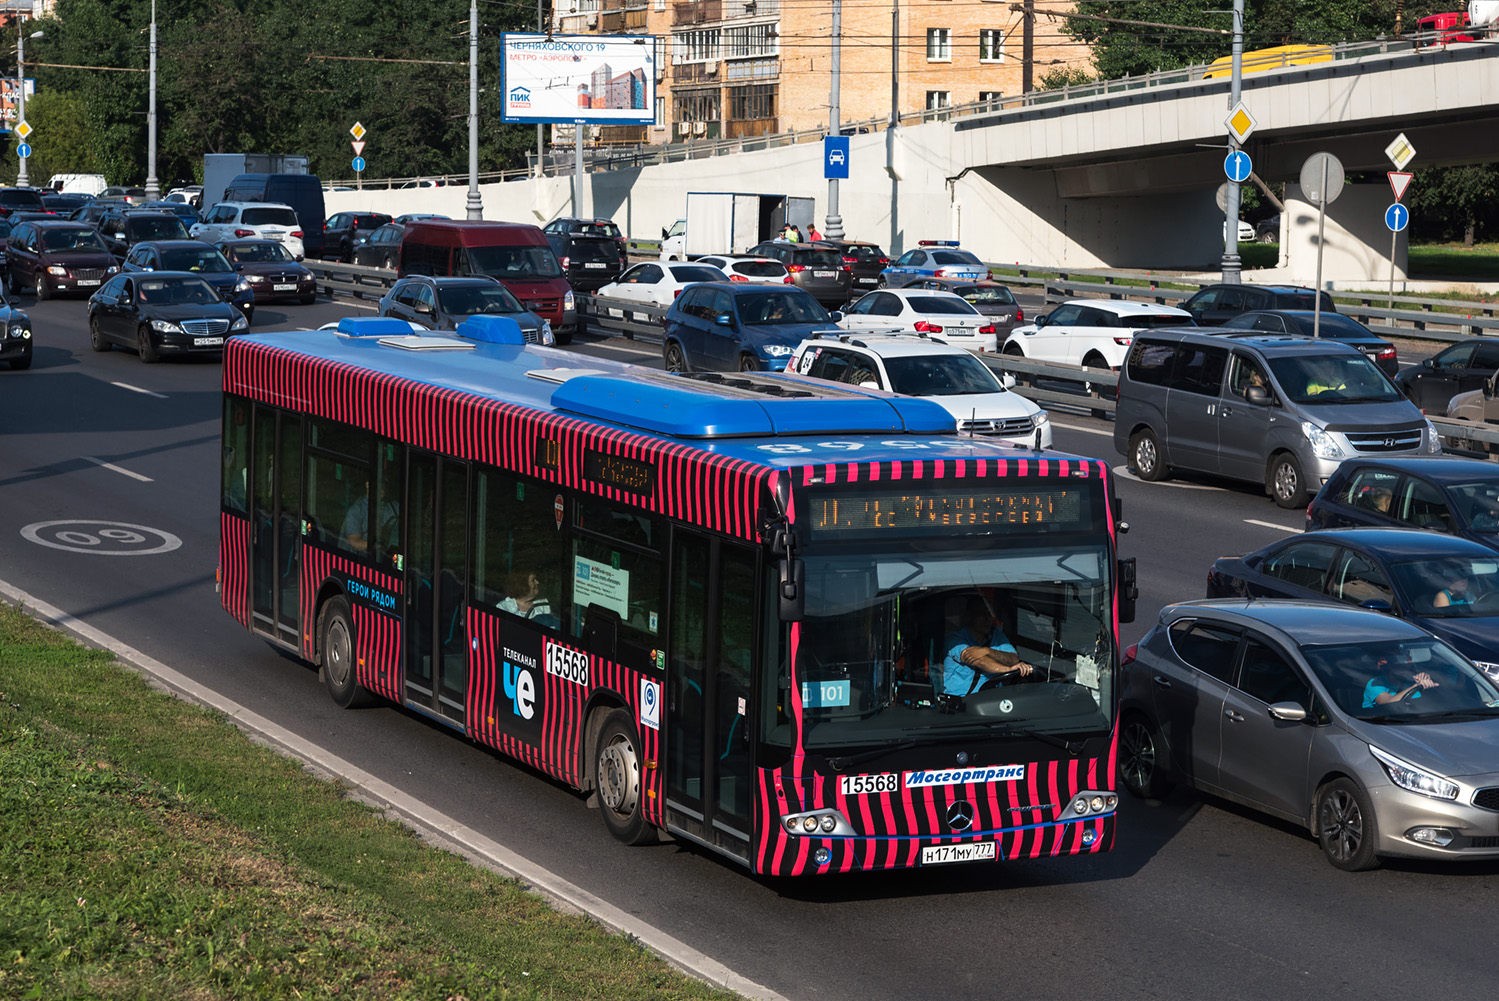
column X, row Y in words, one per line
column 8, row 105
column 590, row 79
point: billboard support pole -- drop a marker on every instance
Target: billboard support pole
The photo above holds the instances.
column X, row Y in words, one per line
column 475, row 204
column 835, row 221
column 153, row 185
column 578, row 169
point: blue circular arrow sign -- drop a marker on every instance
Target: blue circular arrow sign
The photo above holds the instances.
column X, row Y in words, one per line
column 1397, row 217
column 23, row 150
column 1237, row 166
column 359, row 165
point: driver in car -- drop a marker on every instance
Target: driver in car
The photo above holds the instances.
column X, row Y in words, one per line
column 979, row 653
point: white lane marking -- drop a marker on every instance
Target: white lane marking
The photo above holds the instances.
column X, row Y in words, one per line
column 409, row 810
column 1074, row 427
column 117, row 469
column 101, row 538
column 1271, row 524
column 1123, row 473
column 137, row 389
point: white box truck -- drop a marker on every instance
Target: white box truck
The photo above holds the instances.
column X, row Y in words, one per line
column 221, row 168
column 731, row 222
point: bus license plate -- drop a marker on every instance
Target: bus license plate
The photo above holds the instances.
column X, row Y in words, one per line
column 208, row 342
column 940, row 854
column 284, row 288
column 825, row 274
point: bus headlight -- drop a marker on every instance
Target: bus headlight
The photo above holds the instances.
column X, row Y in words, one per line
column 830, row 823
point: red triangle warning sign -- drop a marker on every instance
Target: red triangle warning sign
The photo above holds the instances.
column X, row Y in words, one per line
column 1399, row 181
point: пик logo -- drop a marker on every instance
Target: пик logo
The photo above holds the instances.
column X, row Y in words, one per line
column 520, row 97
column 520, row 688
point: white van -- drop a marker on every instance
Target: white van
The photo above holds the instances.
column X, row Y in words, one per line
column 83, row 184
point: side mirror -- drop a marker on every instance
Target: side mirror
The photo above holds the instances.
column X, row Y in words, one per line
column 1290, row 711
column 1428, row 363
column 1488, row 388
column 1377, row 604
column 423, row 309
column 1041, row 320
column 837, row 315
column 663, row 233
column 869, row 384
column 724, row 320
column 1257, row 394
column 1129, row 588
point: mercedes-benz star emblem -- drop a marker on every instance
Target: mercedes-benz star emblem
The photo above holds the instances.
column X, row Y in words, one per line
column 959, row 816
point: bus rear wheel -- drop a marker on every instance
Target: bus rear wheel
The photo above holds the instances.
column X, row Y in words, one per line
column 336, row 656
column 617, row 778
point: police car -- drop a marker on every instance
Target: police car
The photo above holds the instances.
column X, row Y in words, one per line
column 934, row 259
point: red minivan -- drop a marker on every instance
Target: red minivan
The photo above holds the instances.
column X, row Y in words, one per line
column 515, row 254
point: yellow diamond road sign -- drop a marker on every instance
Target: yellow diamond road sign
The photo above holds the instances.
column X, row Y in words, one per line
column 357, row 131
column 23, row 130
column 1400, row 152
column 1240, row 123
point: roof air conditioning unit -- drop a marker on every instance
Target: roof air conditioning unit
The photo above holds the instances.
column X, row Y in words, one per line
column 593, row 20
column 711, row 69
column 699, row 128
column 683, row 128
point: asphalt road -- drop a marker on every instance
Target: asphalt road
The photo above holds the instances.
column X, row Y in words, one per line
column 1199, row 899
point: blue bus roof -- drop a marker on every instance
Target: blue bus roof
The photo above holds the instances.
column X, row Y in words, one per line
column 770, row 419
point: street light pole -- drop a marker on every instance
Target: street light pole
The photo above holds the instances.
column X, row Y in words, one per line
column 1230, row 263
column 153, row 189
column 475, row 204
column 834, row 220
column 22, row 178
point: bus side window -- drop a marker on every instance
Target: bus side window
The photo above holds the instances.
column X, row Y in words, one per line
column 236, row 458
column 516, row 534
column 390, row 478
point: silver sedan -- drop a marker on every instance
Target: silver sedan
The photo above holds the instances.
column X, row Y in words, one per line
column 1376, row 736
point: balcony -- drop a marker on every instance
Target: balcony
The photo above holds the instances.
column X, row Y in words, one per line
column 699, row 11
column 685, row 73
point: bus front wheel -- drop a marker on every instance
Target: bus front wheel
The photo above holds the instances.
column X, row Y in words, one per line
column 336, row 660
column 617, row 778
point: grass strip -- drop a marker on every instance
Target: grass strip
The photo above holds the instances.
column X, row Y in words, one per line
column 150, row 850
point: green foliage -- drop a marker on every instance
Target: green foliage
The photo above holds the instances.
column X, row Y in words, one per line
column 1454, row 201
column 1063, row 76
column 248, row 76
column 61, row 140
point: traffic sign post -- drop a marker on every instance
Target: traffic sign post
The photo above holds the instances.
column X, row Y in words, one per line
column 835, row 151
column 358, row 132
column 23, row 150
column 359, row 165
column 1399, row 181
column 1397, row 216
column 1321, row 179
column 1237, row 166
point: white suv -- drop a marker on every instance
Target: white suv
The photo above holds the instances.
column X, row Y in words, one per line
column 247, row 220
column 1091, row 332
column 923, row 366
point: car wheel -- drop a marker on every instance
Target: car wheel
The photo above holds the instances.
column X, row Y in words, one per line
column 308, row 300
column 1145, row 456
column 336, row 656
column 389, row 263
column 149, row 353
column 562, row 339
column 1285, row 481
column 1345, row 826
column 22, row 363
column 1014, row 350
column 96, row 339
column 249, row 316
column 12, row 284
column 881, row 283
column 617, row 778
column 1267, row 237
column 1143, row 758
column 747, row 363
column 1096, row 361
column 43, row 291
column 673, row 358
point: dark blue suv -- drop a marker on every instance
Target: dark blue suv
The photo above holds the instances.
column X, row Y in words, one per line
column 726, row 326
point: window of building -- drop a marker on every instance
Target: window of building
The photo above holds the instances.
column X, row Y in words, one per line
column 991, row 45
column 757, row 101
column 938, row 45
column 660, row 112
column 936, row 99
column 697, row 106
column 991, row 96
column 753, row 69
column 696, row 46
column 750, row 40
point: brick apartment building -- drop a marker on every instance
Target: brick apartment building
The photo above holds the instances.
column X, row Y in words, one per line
column 728, row 68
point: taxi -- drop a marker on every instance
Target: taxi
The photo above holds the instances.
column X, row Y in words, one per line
column 934, row 259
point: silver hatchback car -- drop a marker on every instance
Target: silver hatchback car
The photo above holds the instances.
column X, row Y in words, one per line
column 1378, row 737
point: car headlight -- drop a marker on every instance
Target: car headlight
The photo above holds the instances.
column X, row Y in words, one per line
column 242, row 286
column 254, row 279
column 547, row 337
column 240, row 323
column 1040, row 417
column 112, row 269
column 777, row 350
column 1408, row 776
column 165, row 327
column 1324, row 445
column 1489, row 668
column 61, row 272
column 19, row 330
column 567, row 300
column 1433, row 440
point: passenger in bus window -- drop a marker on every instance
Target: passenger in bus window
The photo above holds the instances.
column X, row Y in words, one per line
column 357, row 521
column 524, row 597
column 979, row 652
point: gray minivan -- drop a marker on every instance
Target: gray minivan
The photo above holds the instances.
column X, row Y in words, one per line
column 1273, row 409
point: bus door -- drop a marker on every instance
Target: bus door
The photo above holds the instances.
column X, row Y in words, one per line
column 436, row 635
column 275, row 534
column 710, row 773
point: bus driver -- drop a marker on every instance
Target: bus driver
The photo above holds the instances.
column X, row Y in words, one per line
column 979, row 652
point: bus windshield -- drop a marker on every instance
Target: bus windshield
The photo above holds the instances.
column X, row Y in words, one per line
column 883, row 632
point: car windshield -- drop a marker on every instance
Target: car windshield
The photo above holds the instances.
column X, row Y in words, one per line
column 82, row 238
column 760, row 269
column 207, row 260
column 878, row 625
column 697, row 273
column 165, row 227
column 260, row 253
column 955, row 257
column 863, row 252
column 1453, row 587
column 986, row 295
column 370, row 220
column 1351, row 378
column 941, row 304
column 466, row 300
column 18, row 198
column 185, row 291
column 274, row 216
column 1331, row 324
column 765, row 308
column 1357, row 674
column 941, row 375
column 597, row 229
column 514, row 263
column 819, row 259
column 606, row 251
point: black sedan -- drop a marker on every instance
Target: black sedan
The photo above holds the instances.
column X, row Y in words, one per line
column 272, row 272
column 1333, row 325
column 1461, row 368
column 1442, row 493
column 1443, row 584
column 161, row 312
column 204, row 261
column 15, row 334
column 444, row 303
column 383, row 248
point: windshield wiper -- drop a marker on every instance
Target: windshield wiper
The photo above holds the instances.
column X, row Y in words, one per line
column 848, row 760
column 1455, row 714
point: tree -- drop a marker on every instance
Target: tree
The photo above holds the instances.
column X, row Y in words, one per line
column 61, row 142
column 1063, row 76
column 1457, row 198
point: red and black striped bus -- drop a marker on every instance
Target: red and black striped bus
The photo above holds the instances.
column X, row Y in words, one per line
column 725, row 604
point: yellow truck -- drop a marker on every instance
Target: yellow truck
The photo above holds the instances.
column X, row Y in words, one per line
column 1261, row 60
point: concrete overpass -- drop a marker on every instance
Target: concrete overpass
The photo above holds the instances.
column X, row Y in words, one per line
column 1122, row 179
